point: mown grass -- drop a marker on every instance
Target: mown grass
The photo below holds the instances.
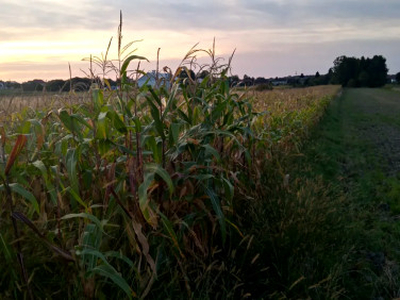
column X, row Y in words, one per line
column 166, row 193
column 336, row 229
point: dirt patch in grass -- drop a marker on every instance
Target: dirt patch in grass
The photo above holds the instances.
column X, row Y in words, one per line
column 386, row 140
column 378, row 124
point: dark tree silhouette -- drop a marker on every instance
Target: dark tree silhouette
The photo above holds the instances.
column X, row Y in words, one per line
column 355, row 72
column 398, row 77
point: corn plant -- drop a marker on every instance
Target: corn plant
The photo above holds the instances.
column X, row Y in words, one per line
column 137, row 192
column 132, row 183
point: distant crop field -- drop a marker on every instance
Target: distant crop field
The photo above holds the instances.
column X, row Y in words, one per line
column 289, row 114
column 275, row 101
column 15, row 103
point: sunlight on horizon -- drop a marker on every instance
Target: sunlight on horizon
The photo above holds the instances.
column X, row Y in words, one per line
column 72, row 47
column 277, row 39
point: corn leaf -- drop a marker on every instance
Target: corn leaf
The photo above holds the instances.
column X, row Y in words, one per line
column 229, row 189
column 119, row 255
column 109, row 272
column 157, row 169
column 128, row 60
column 143, row 201
column 211, row 150
column 92, row 218
column 69, row 122
column 168, row 226
column 71, row 164
column 173, row 134
column 98, row 99
column 76, row 196
column 215, row 202
column 91, row 239
column 17, row 188
column 19, row 145
column 117, row 122
column 102, row 126
column 21, row 217
column 41, row 166
column 155, row 113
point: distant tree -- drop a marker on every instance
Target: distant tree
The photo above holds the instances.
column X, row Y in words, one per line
column 13, row 85
column 317, row 75
column 186, row 76
column 352, row 83
column 363, row 78
column 78, row 84
column 247, row 80
column 398, row 77
column 351, row 71
column 260, row 80
column 203, row 74
column 323, row 79
column 329, row 76
column 233, row 80
column 377, row 71
column 363, row 65
column 186, row 73
column 344, row 69
column 111, row 84
column 293, row 81
column 56, row 85
column 33, row 85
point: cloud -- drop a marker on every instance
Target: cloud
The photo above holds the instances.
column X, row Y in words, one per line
column 309, row 58
column 55, row 15
column 246, row 15
column 275, row 31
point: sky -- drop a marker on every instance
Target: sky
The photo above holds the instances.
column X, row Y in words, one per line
column 41, row 39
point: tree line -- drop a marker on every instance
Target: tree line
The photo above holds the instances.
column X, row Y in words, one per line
column 360, row 72
column 347, row 71
column 57, row 85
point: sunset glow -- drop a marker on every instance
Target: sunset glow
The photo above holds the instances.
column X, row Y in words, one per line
column 271, row 37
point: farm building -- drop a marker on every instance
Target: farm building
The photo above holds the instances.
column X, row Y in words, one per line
column 279, row 82
column 150, row 79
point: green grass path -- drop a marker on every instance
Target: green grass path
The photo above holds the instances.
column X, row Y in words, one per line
column 356, row 149
column 359, row 143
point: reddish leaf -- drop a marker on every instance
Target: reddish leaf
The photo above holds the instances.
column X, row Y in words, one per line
column 19, row 145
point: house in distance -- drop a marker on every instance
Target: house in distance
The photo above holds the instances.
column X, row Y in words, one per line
column 155, row 80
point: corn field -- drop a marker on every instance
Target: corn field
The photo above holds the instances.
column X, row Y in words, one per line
column 136, row 192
